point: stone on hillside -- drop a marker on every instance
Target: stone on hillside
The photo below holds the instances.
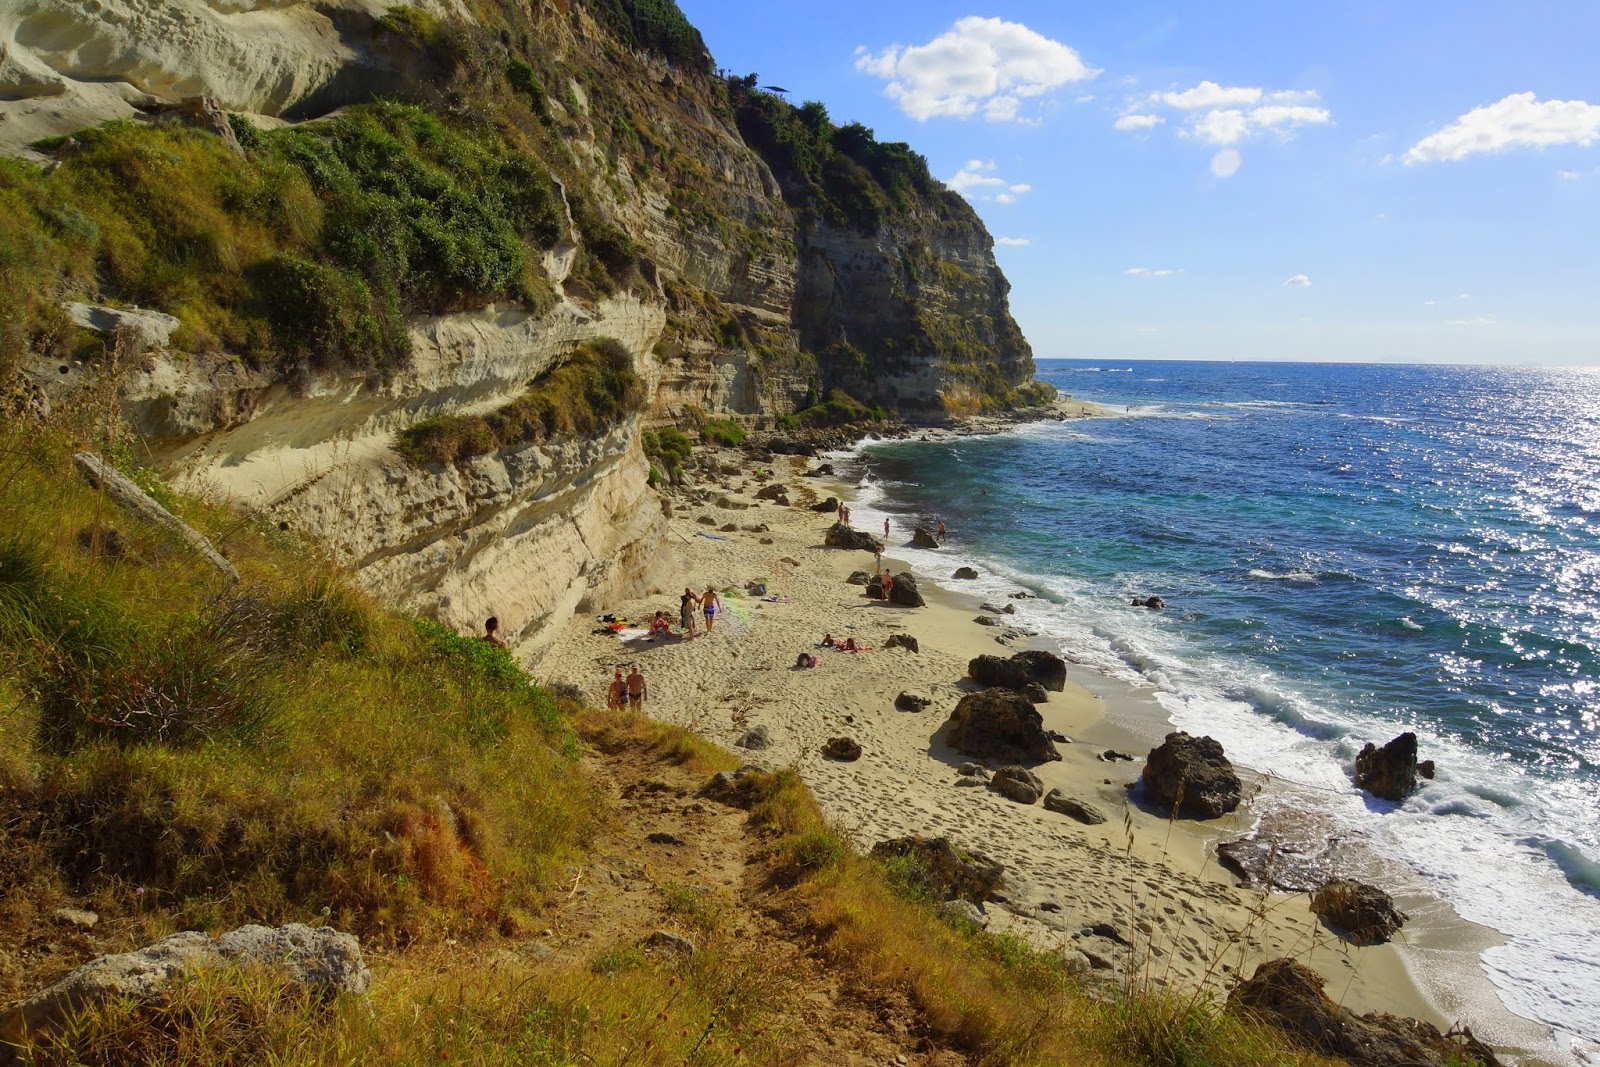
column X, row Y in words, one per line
column 1389, row 772
column 923, row 539
column 757, row 737
column 1365, row 914
column 905, row 641
column 973, row 770
column 138, row 330
column 77, row 917
column 1193, row 775
column 1017, row 783
column 669, row 943
column 729, row 527
column 965, row 574
column 729, row 787
column 1288, row 995
column 321, row 959
column 911, row 702
column 947, row 872
column 1059, row 802
column 843, row 749
column 841, row 536
column 705, row 520
column 1000, row 724
column 963, row 911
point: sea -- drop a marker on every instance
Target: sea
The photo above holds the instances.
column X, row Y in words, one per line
column 1346, row 552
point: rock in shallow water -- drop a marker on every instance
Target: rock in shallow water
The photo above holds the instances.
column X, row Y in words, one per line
column 1365, row 914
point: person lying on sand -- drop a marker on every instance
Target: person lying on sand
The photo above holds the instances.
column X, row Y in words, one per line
column 805, row 660
column 660, row 625
column 827, row 642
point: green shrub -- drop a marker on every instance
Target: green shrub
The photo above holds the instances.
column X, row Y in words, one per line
column 657, row 26
column 327, row 317
column 723, row 432
column 839, row 409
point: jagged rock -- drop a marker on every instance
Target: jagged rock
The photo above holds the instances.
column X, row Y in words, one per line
column 1425, row 769
column 139, row 331
column 776, row 492
column 965, row 574
column 1154, row 603
column 990, row 608
column 945, row 871
column 841, row 536
column 1017, row 783
column 673, row 944
column 1000, row 724
column 1034, row 692
column 963, row 911
column 911, row 702
column 1389, row 772
column 830, row 504
column 320, row 959
column 858, row 578
column 757, row 737
column 1365, row 914
column 1264, row 864
column 1059, row 802
column 905, row 593
column 923, row 539
column 844, row 749
column 905, row 641
column 1040, row 667
column 987, row 620
column 823, row 470
column 1288, row 995
column 78, row 917
column 1111, row 755
column 136, row 502
column 1193, row 775
column 203, row 113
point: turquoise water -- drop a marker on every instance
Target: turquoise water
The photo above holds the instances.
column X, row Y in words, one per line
column 1346, row 551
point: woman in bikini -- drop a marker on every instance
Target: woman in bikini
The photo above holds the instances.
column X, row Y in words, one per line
column 686, row 605
column 709, row 605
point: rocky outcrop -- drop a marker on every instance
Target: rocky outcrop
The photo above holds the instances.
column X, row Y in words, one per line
column 321, row 959
column 904, row 591
column 1017, row 783
column 964, row 574
column 1059, row 802
column 1363, row 913
column 943, row 870
column 1037, row 667
column 905, row 641
column 921, row 538
column 1192, row 776
column 1288, row 995
column 1000, row 724
column 841, row 536
column 1389, row 772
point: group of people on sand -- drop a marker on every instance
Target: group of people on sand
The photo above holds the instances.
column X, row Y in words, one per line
column 708, row 603
column 630, row 692
column 844, row 513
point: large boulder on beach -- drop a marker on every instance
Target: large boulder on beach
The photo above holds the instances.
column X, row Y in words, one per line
column 1017, row 783
column 1000, row 724
column 905, row 593
column 830, row 504
column 945, row 871
column 843, row 749
column 1046, row 668
column 905, row 641
column 777, row 492
column 322, row 960
column 1192, row 776
column 1363, row 913
column 921, row 538
column 1288, row 996
column 1039, row 667
column 841, row 536
column 1061, row 804
column 1389, row 772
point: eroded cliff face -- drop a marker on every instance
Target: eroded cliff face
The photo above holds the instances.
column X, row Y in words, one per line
column 737, row 297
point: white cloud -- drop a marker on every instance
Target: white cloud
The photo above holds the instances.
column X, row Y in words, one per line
column 1479, row 321
column 1569, row 175
column 1299, row 281
column 1147, row 272
column 982, row 66
column 1517, row 121
column 1429, row 303
column 978, row 180
column 1226, row 163
column 1012, row 242
column 1138, row 122
column 1207, row 95
column 1229, row 126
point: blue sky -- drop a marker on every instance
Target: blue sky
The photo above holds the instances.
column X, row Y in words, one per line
column 1414, row 181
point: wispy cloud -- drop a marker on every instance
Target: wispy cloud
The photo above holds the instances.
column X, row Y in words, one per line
column 1225, row 116
column 1226, row 163
column 980, row 66
column 1012, row 242
column 1520, row 120
column 978, row 180
column 1147, row 272
column 1138, row 122
column 1298, row 281
column 1481, row 320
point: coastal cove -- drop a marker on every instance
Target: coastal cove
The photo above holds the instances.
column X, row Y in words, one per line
column 1188, row 922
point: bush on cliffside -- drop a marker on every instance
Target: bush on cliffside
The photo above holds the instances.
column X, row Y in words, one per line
column 592, row 391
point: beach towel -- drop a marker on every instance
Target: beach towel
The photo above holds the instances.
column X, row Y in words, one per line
column 714, row 537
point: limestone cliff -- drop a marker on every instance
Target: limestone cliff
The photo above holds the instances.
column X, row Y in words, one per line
column 751, row 256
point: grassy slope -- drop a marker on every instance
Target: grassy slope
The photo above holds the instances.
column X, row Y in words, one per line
column 310, row 757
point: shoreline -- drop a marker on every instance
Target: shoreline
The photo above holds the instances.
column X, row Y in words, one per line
column 1186, row 921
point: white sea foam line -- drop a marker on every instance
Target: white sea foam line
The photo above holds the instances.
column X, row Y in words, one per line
column 1541, row 973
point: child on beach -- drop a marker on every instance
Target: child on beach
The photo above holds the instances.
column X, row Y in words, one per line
column 709, row 604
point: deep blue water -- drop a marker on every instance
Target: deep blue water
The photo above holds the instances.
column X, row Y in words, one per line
column 1346, row 551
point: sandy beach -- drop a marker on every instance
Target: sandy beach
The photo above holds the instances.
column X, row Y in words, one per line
column 1178, row 918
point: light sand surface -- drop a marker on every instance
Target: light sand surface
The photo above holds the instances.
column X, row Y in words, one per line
column 1154, row 881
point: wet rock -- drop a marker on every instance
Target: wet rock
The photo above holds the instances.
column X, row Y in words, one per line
column 1059, row 802
column 1425, row 769
column 1263, row 864
column 923, row 539
column 905, row 641
column 987, row 620
column 1111, row 755
column 1192, row 775
column 1000, row 724
column 945, row 871
column 911, row 702
column 965, row 574
column 1363, row 913
column 1017, row 783
column 1288, row 995
column 823, row 470
column 843, row 749
column 1389, row 772
column 841, row 536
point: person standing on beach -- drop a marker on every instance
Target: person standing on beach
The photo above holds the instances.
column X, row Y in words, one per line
column 617, row 695
column 877, row 560
column 886, row 529
column 709, row 603
column 638, row 691
column 843, row 514
column 686, row 605
column 888, row 584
